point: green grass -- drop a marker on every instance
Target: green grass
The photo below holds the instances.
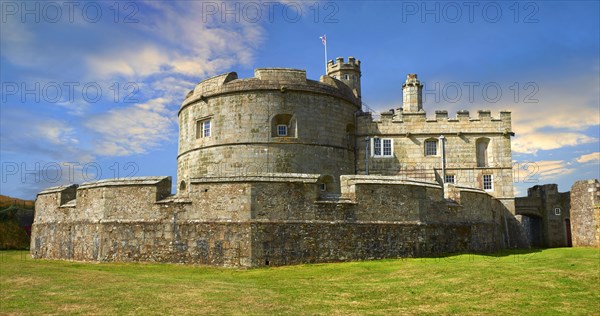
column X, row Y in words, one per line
column 553, row 281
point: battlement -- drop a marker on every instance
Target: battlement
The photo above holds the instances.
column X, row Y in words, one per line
column 101, row 199
column 340, row 64
column 542, row 190
column 348, row 73
column 416, row 123
column 399, row 116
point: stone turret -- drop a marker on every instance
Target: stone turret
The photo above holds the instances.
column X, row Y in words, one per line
column 412, row 92
column 348, row 73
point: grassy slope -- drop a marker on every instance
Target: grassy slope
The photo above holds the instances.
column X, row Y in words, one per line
column 6, row 201
column 554, row 281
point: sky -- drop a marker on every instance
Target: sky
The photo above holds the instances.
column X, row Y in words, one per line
column 91, row 89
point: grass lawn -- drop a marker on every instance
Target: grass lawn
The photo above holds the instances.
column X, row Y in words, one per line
column 553, row 281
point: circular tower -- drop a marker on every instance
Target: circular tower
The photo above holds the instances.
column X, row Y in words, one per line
column 276, row 122
column 348, row 73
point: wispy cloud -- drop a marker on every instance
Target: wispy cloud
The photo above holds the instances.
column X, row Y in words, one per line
column 531, row 143
column 163, row 55
column 540, row 171
column 179, row 41
column 593, row 157
column 46, row 137
column 133, row 130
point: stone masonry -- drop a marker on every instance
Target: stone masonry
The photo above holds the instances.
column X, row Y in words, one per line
column 585, row 213
column 275, row 170
column 545, row 216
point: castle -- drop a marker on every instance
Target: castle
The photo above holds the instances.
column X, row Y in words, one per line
column 280, row 169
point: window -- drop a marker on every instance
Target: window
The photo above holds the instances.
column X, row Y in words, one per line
column 283, row 125
column 382, row 147
column 557, row 211
column 431, row 147
column 326, row 184
column 203, row 129
column 347, row 77
column 387, row 147
column 449, row 178
column 282, row 130
column 482, row 152
column 488, row 183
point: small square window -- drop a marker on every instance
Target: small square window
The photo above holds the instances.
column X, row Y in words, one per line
column 488, row 183
column 557, row 211
column 431, row 147
column 282, row 130
column 449, row 178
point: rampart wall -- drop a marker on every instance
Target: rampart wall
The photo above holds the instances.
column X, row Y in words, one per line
column 273, row 219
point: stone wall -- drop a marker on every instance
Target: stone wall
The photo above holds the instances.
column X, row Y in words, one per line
column 270, row 219
column 546, row 216
column 410, row 130
column 244, row 114
column 585, row 213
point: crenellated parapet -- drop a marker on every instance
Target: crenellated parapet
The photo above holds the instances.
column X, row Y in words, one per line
column 347, row 72
column 102, row 200
column 401, row 122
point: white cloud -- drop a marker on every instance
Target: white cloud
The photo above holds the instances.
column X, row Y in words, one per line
column 137, row 63
column 531, row 143
column 593, row 157
column 178, row 41
column 561, row 117
column 538, row 171
column 46, row 137
column 133, row 130
column 170, row 45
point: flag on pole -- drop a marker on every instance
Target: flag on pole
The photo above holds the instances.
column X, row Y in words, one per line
column 324, row 41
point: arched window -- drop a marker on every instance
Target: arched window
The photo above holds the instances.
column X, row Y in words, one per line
column 482, row 152
column 182, row 186
column 283, row 125
column 431, row 147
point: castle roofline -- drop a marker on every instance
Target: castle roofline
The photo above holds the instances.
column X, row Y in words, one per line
column 123, row 182
column 282, row 79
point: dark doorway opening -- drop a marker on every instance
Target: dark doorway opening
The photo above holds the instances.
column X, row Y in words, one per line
column 568, row 230
column 534, row 231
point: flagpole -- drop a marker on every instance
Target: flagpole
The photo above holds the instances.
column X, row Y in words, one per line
column 324, row 41
column 325, row 57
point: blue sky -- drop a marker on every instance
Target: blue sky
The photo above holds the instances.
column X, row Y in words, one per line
column 91, row 89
